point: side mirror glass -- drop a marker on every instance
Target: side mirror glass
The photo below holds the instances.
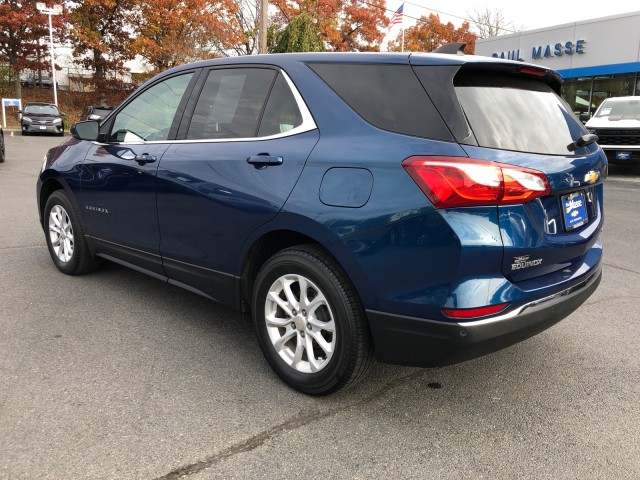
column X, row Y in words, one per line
column 85, row 130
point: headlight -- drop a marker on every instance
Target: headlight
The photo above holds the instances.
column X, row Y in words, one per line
column 56, row 121
column 44, row 162
column 26, row 119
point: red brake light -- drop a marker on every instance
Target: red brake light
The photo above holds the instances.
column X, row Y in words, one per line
column 451, row 182
column 474, row 312
column 538, row 72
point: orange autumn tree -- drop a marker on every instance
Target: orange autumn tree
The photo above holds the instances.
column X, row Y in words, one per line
column 170, row 33
column 344, row 26
column 101, row 40
column 24, row 37
column 430, row 33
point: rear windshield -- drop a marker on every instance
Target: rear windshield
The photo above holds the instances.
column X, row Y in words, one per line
column 516, row 113
column 619, row 108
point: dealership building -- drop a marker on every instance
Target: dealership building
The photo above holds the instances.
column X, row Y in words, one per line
column 597, row 58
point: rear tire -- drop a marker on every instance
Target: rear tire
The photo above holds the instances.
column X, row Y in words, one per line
column 65, row 236
column 309, row 321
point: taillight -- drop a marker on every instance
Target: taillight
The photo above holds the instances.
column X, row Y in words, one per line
column 451, row 182
column 474, row 312
column 535, row 71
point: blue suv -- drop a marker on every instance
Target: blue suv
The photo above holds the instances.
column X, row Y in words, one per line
column 424, row 209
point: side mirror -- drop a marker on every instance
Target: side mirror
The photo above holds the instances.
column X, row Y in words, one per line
column 85, row 130
column 584, row 117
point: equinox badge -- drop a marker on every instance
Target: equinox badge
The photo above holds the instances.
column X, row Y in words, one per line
column 524, row 262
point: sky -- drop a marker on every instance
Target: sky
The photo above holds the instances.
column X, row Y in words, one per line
column 526, row 15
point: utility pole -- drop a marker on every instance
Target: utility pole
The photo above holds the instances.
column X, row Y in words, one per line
column 264, row 13
column 55, row 10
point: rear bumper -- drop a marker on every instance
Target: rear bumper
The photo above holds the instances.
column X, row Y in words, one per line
column 427, row 343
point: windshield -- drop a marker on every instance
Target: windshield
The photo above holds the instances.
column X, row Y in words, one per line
column 616, row 107
column 41, row 110
column 515, row 113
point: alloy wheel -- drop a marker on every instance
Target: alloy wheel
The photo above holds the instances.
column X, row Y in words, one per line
column 300, row 323
column 61, row 233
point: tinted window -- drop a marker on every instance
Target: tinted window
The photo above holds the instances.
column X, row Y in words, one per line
column 513, row 113
column 387, row 96
column 281, row 113
column 149, row 116
column 231, row 103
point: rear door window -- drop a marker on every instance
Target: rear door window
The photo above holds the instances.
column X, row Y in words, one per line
column 281, row 113
column 231, row 103
column 509, row 112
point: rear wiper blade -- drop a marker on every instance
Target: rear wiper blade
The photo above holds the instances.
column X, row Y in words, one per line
column 583, row 141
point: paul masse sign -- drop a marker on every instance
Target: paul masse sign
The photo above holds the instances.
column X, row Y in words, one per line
column 546, row 51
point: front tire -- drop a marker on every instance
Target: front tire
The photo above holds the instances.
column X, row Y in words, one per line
column 65, row 236
column 309, row 321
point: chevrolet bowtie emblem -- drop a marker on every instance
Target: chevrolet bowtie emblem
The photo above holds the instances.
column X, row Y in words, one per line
column 592, row 177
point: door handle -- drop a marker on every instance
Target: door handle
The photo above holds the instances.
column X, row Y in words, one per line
column 128, row 154
column 145, row 158
column 264, row 160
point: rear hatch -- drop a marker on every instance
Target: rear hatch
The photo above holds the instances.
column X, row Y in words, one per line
column 511, row 113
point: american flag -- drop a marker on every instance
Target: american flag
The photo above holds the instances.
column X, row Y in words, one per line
column 397, row 17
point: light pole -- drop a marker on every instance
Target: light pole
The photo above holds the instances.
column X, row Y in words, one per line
column 55, row 10
column 264, row 12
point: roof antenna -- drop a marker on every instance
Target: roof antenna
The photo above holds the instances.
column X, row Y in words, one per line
column 451, row 48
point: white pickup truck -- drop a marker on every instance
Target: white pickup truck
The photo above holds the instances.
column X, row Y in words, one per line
column 617, row 124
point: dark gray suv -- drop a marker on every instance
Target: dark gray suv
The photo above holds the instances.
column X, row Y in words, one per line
column 41, row 118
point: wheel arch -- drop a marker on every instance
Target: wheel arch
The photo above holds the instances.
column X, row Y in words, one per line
column 49, row 186
column 268, row 243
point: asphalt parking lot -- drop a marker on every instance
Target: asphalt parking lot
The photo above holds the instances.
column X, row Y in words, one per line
column 117, row 375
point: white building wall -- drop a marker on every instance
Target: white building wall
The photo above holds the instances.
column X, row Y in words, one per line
column 608, row 45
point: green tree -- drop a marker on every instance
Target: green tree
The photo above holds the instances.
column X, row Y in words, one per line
column 343, row 25
column 300, row 35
